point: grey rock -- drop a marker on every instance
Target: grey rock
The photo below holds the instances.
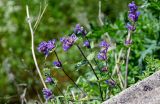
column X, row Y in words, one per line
column 146, row 91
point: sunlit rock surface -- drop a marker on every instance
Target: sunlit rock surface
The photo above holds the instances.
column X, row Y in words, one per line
column 146, row 91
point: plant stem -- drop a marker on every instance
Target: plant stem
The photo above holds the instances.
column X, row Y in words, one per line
column 67, row 74
column 100, row 14
column 32, row 43
column 97, row 65
column 119, row 75
column 52, row 83
column 59, row 90
column 117, row 69
column 95, row 59
column 126, row 74
column 39, row 17
column 128, row 36
column 92, row 70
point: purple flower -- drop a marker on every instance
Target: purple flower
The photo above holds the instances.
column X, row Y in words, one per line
column 128, row 42
column 133, row 13
column 132, row 6
column 68, row 41
column 134, row 16
column 46, row 47
column 104, row 69
column 47, row 94
column 49, row 79
column 57, row 64
column 51, row 44
column 43, row 47
column 87, row 44
column 80, row 30
column 102, row 55
column 130, row 27
column 104, row 44
column 104, row 48
column 110, row 82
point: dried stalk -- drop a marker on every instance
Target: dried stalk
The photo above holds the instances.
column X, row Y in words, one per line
column 100, row 14
column 32, row 47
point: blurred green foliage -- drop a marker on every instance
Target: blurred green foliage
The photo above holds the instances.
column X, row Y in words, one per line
column 17, row 68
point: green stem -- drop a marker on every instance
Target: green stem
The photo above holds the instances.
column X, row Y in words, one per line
column 60, row 90
column 68, row 75
column 92, row 70
column 95, row 60
column 97, row 65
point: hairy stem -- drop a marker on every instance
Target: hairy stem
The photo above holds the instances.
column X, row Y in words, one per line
column 119, row 76
column 92, row 70
column 128, row 36
column 126, row 73
column 117, row 69
column 67, row 74
column 32, row 43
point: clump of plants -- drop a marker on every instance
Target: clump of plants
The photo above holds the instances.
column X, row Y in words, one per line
column 107, row 64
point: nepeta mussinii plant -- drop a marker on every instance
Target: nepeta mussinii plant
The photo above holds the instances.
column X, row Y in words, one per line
column 131, row 26
column 79, row 30
column 68, row 41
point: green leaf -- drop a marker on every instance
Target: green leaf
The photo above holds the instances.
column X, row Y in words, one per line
column 80, row 64
column 80, row 80
column 58, row 100
column 91, row 56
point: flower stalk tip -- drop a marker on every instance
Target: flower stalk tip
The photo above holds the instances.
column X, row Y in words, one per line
column 57, row 64
column 47, row 93
column 80, row 30
column 46, row 47
column 68, row 41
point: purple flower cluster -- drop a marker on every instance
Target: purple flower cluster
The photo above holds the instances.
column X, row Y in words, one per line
column 104, row 44
column 102, row 55
column 128, row 42
column 80, row 30
column 130, row 27
column 68, row 41
column 57, row 64
column 133, row 16
column 47, row 94
column 46, row 47
column 49, row 79
column 133, row 13
column 110, row 82
column 87, row 44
